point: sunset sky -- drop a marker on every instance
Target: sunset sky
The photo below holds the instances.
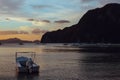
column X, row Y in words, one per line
column 30, row 19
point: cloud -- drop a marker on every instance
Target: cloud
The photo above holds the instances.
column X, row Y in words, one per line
column 46, row 21
column 23, row 32
column 10, row 32
column 10, row 6
column 31, row 19
column 103, row 2
column 37, row 20
column 38, row 31
column 31, row 29
column 40, row 23
column 18, row 19
column 62, row 21
column 40, row 6
column 91, row 4
column 25, row 28
column 7, row 19
column 86, row 1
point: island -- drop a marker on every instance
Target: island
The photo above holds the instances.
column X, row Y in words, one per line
column 100, row 25
column 17, row 40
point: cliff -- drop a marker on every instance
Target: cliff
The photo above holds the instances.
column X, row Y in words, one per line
column 96, row 26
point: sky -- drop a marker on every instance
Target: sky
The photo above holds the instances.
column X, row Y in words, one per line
column 30, row 19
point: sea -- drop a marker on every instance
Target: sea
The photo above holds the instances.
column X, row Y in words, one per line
column 60, row 62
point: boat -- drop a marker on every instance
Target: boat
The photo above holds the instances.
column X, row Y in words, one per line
column 21, row 43
column 0, row 43
column 25, row 64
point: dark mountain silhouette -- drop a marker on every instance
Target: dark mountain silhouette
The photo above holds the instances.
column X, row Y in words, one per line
column 14, row 40
column 96, row 26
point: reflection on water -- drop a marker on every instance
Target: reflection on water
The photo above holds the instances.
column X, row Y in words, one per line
column 100, row 66
column 27, row 76
column 61, row 62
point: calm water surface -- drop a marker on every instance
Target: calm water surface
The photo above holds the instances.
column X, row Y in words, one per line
column 60, row 62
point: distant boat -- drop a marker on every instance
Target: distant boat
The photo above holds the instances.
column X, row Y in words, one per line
column 37, row 43
column 21, row 43
column 26, row 64
column 65, row 44
column 0, row 43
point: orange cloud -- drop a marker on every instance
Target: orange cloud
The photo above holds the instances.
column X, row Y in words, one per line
column 38, row 31
column 10, row 32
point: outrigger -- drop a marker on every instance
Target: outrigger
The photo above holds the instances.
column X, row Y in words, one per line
column 26, row 64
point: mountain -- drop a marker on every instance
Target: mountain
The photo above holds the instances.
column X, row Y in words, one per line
column 14, row 40
column 100, row 25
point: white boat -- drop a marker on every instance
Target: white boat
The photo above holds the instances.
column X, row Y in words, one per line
column 26, row 64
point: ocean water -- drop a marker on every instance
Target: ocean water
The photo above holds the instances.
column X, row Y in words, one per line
column 60, row 62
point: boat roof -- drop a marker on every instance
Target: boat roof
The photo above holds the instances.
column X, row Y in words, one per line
column 22, row 58
column 25, row 52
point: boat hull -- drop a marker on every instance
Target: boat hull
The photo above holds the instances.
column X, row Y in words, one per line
column 24, row 69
